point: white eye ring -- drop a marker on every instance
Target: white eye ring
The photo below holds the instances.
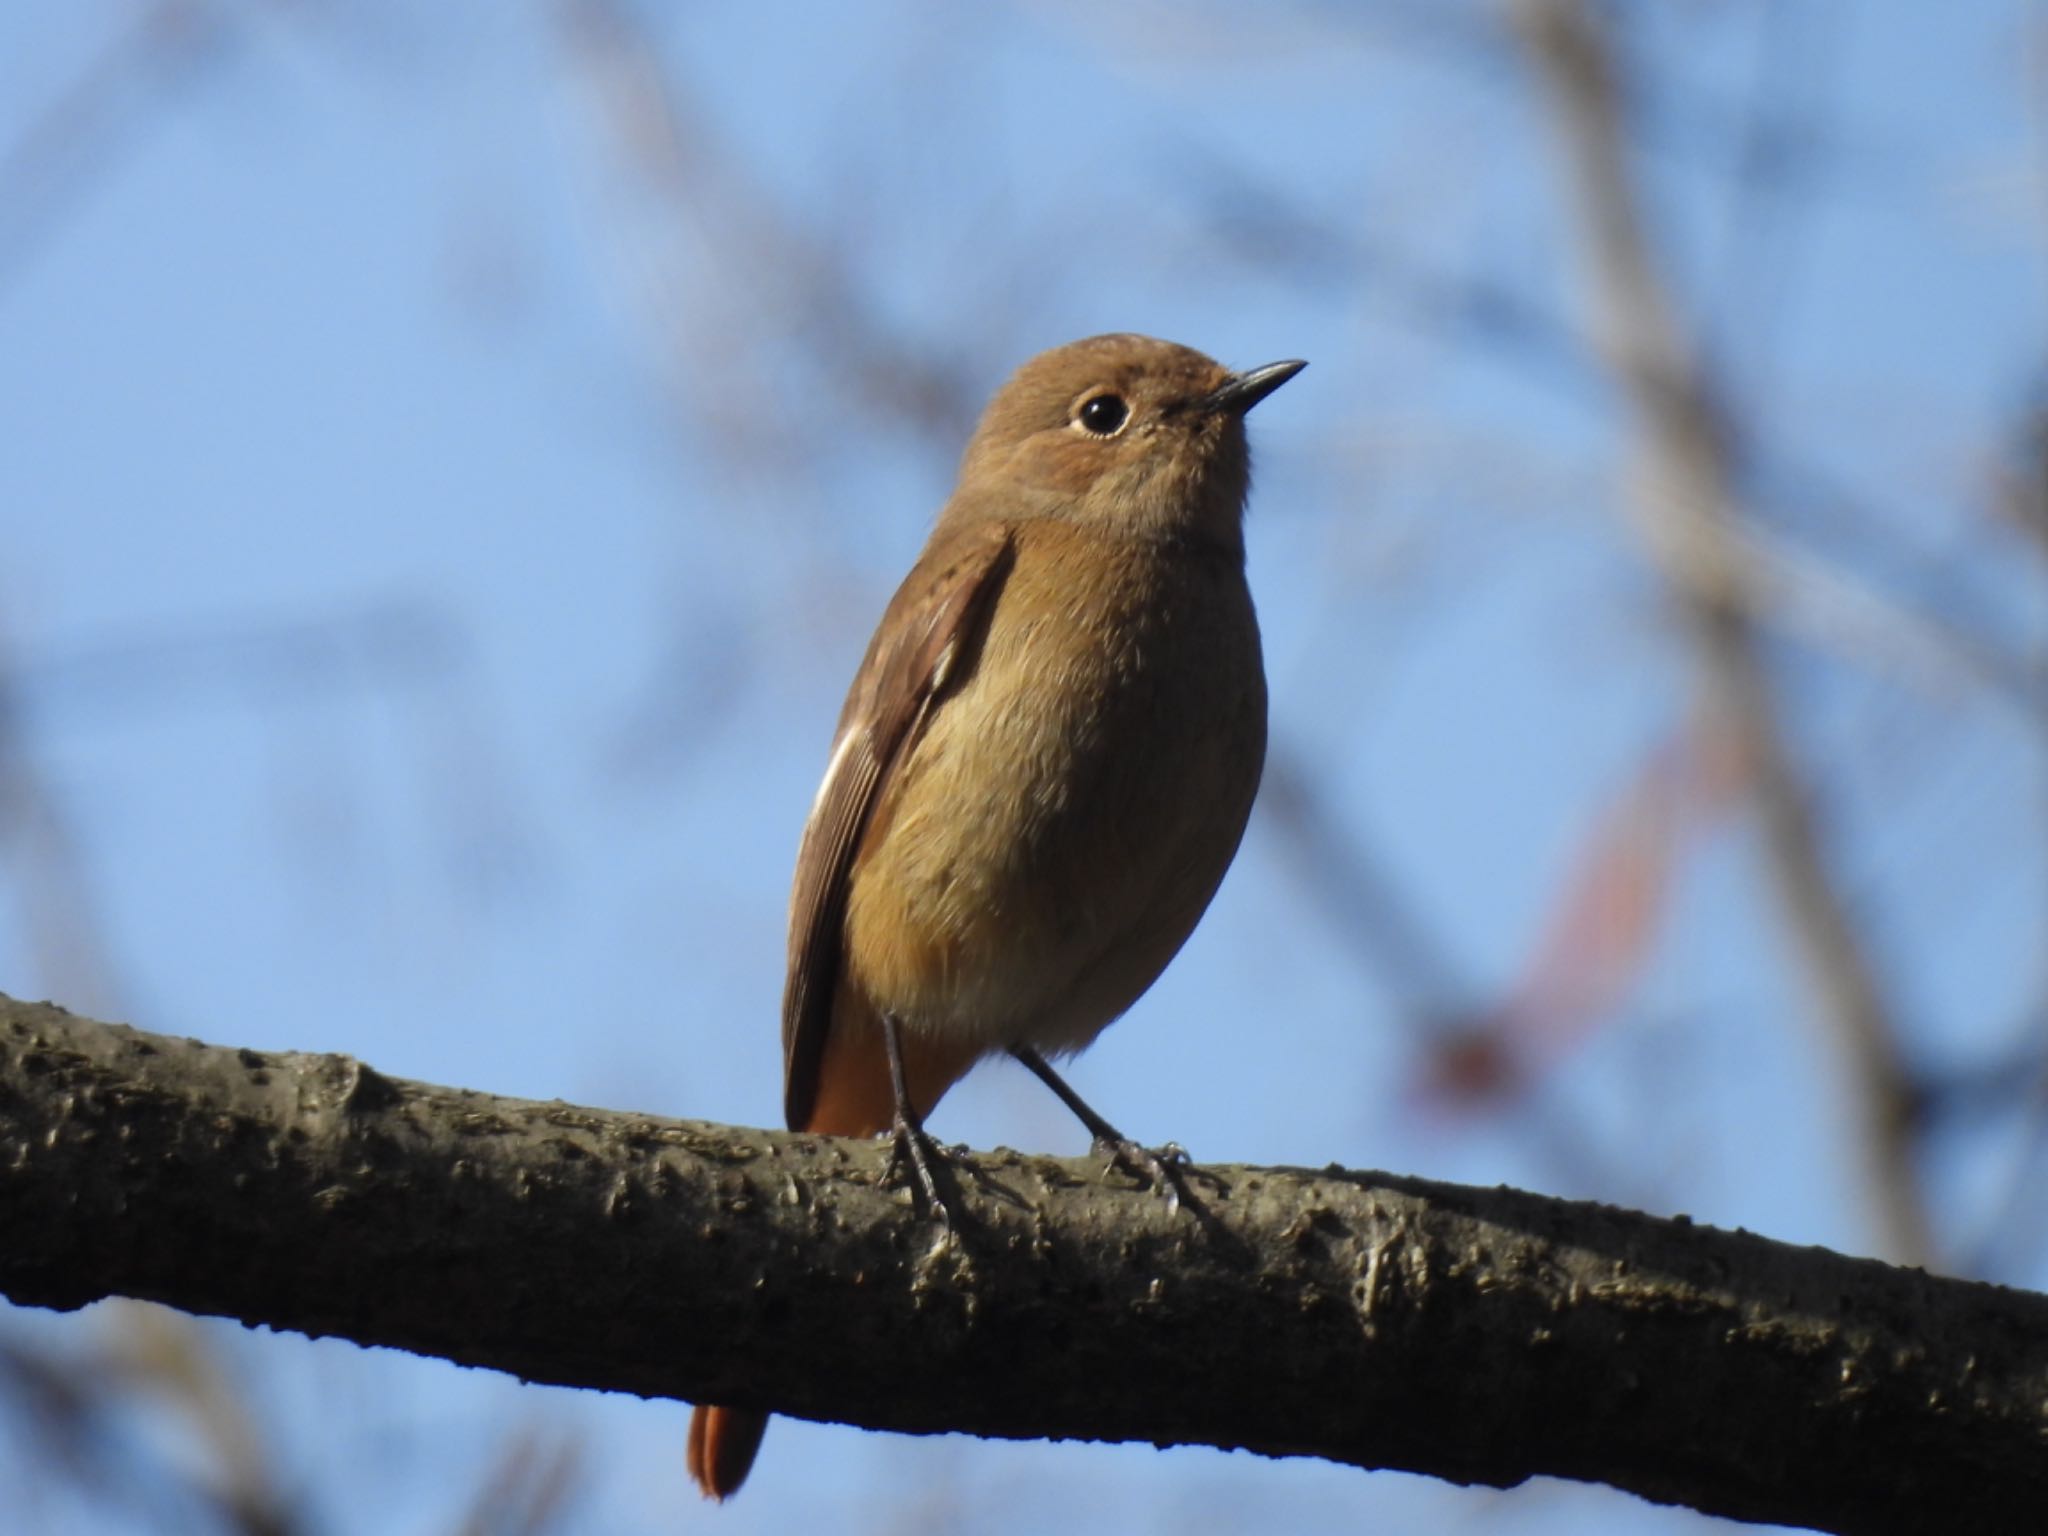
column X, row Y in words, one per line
column 1103, row 414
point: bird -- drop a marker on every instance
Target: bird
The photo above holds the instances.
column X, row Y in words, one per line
column 1043, row 768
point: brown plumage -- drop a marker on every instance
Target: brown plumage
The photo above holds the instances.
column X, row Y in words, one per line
column 1044, row 764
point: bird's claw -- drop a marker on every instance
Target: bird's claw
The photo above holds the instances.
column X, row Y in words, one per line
column 910, row 1144
column 1160, row 1167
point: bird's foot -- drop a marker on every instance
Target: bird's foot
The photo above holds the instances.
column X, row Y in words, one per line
column 911, row 1144
column 1167, row 1170
column 1164, row 1168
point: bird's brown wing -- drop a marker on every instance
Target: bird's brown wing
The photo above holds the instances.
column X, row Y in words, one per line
column 926, row 642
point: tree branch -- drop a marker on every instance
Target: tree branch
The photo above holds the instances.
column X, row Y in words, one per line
column 1483, row 1336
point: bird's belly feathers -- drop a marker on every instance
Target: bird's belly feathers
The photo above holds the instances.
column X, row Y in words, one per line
column 1066, row 816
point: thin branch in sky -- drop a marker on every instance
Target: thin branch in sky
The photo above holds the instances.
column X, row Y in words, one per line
column 531, row 1486
column 1372, row 914
column 1832, row 571
column 779, row 279
column 1684, row 511
column 1770, row 186
column 95, row 121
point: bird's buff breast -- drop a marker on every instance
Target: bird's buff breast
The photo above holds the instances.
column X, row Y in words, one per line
column 1069, row 811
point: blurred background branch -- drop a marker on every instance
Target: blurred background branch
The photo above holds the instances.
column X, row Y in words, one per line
column 1686, row 499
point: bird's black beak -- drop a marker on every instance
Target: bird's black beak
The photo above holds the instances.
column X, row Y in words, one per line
column 1241, row 391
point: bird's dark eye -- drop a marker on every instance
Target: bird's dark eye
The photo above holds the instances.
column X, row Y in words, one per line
column 1103, row 414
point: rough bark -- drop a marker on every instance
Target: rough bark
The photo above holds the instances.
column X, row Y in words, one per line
column 1478, row 1335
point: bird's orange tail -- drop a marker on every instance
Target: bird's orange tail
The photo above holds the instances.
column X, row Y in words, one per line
column 722, row 1446
column 853, row 1099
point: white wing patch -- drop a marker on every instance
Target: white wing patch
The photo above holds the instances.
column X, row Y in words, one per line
column 840, row 748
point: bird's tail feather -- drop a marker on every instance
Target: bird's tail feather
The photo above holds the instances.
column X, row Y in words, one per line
column 722, row 1446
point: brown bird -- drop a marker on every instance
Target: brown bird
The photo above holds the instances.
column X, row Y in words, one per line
column 1043, row 767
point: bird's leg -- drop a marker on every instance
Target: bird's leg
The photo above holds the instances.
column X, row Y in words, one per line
column 1160, row 1166
column 911, row 1142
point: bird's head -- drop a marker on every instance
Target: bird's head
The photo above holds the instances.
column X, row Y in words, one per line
column 1123, row 432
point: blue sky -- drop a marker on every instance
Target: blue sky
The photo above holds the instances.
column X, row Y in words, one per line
column 439, row 528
